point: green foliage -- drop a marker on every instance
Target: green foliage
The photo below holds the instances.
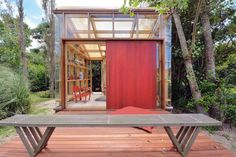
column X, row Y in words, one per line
column 9, row 45
column 227, row 68
column 206, row 101
column 211, row 129
column 162, row 6
column 43, row 94
column 38, row 74
column 14, row 93
column 37, row 98
column 230, row 114
column 219, row 94
column 40, row 33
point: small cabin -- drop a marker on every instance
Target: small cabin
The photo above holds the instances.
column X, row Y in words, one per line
column 121, row 60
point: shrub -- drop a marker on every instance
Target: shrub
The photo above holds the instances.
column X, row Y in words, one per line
column 222, row 96
column 230, row 114
column 38, row 77
column 43, row 94
column 14, row 93
column 38, row 73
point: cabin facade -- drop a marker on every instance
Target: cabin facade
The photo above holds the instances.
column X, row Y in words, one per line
column 132, row 55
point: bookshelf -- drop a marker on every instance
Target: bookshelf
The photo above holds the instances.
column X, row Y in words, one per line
column 78, row 69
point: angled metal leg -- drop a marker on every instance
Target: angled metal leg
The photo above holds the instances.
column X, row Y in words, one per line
column 33, row 140
column 43, row 142
column 35, row 134
column 173, row 139
column 38, row 131
column 184, row 139
column 30, row 137
column 25, row 141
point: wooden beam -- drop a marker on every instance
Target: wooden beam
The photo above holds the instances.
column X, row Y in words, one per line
column 137, row 28
column 133, row 26
column 96, row 58
column 91, row 76
column 111, row 31
column 95, row 50
column 154, row 29
column 93, row 26
column 77, row 50
column 63, row 75
column 102, row 40
column 68, row 10
column 113, row 25
column 95, row 34
column 89, row 31
column 163, row 77
column 64, row 25
column 110, row 20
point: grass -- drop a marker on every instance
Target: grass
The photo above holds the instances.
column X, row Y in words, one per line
column 6, row 131
column 211, row 129
column 35, row 98
column 35, row 110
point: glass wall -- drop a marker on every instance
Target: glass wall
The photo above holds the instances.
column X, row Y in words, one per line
column 168, row 36
column 58, row 35
column 111, row 25
column 114, row 25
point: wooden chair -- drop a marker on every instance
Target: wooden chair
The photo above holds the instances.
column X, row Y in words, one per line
column 81, row 92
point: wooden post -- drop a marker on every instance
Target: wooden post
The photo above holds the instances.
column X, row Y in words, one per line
column 162, row 63
column 137, row 28
column 91, row 76
column 113, row 25
column 163, row 77
column 89, row 36
column 63, row 76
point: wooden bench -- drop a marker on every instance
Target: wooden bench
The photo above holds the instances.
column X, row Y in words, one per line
column 27, row 126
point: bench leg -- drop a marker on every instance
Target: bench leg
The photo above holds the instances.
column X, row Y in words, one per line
column 184, row 139
column 33, row 140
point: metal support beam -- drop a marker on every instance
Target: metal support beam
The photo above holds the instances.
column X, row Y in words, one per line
column 33, row 140
column 184, row 139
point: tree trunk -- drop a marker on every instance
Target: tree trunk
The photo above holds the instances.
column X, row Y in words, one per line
column 208, row 43
column 214, row 110
column 196, row 94
column 48, row 6
column 23, row 55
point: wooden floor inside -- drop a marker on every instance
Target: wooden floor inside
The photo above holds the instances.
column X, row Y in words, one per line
column 114, row 142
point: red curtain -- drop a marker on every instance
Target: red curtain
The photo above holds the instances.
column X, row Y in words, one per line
column 131, row 74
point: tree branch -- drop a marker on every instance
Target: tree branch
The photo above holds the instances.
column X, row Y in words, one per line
column 195, row 26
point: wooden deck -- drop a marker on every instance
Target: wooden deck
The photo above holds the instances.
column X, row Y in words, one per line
column 114, row 142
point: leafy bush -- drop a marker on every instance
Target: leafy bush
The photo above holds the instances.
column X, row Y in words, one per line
column 38, row 73
column 43, row 94
column 220, row 95
column 38, row 77
column 14, row 93
column 230, row 114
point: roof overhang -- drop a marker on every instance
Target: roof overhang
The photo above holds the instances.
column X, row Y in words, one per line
column 71, row 9
column 108, row 24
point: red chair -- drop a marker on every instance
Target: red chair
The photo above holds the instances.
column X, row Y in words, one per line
column 81, row 92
